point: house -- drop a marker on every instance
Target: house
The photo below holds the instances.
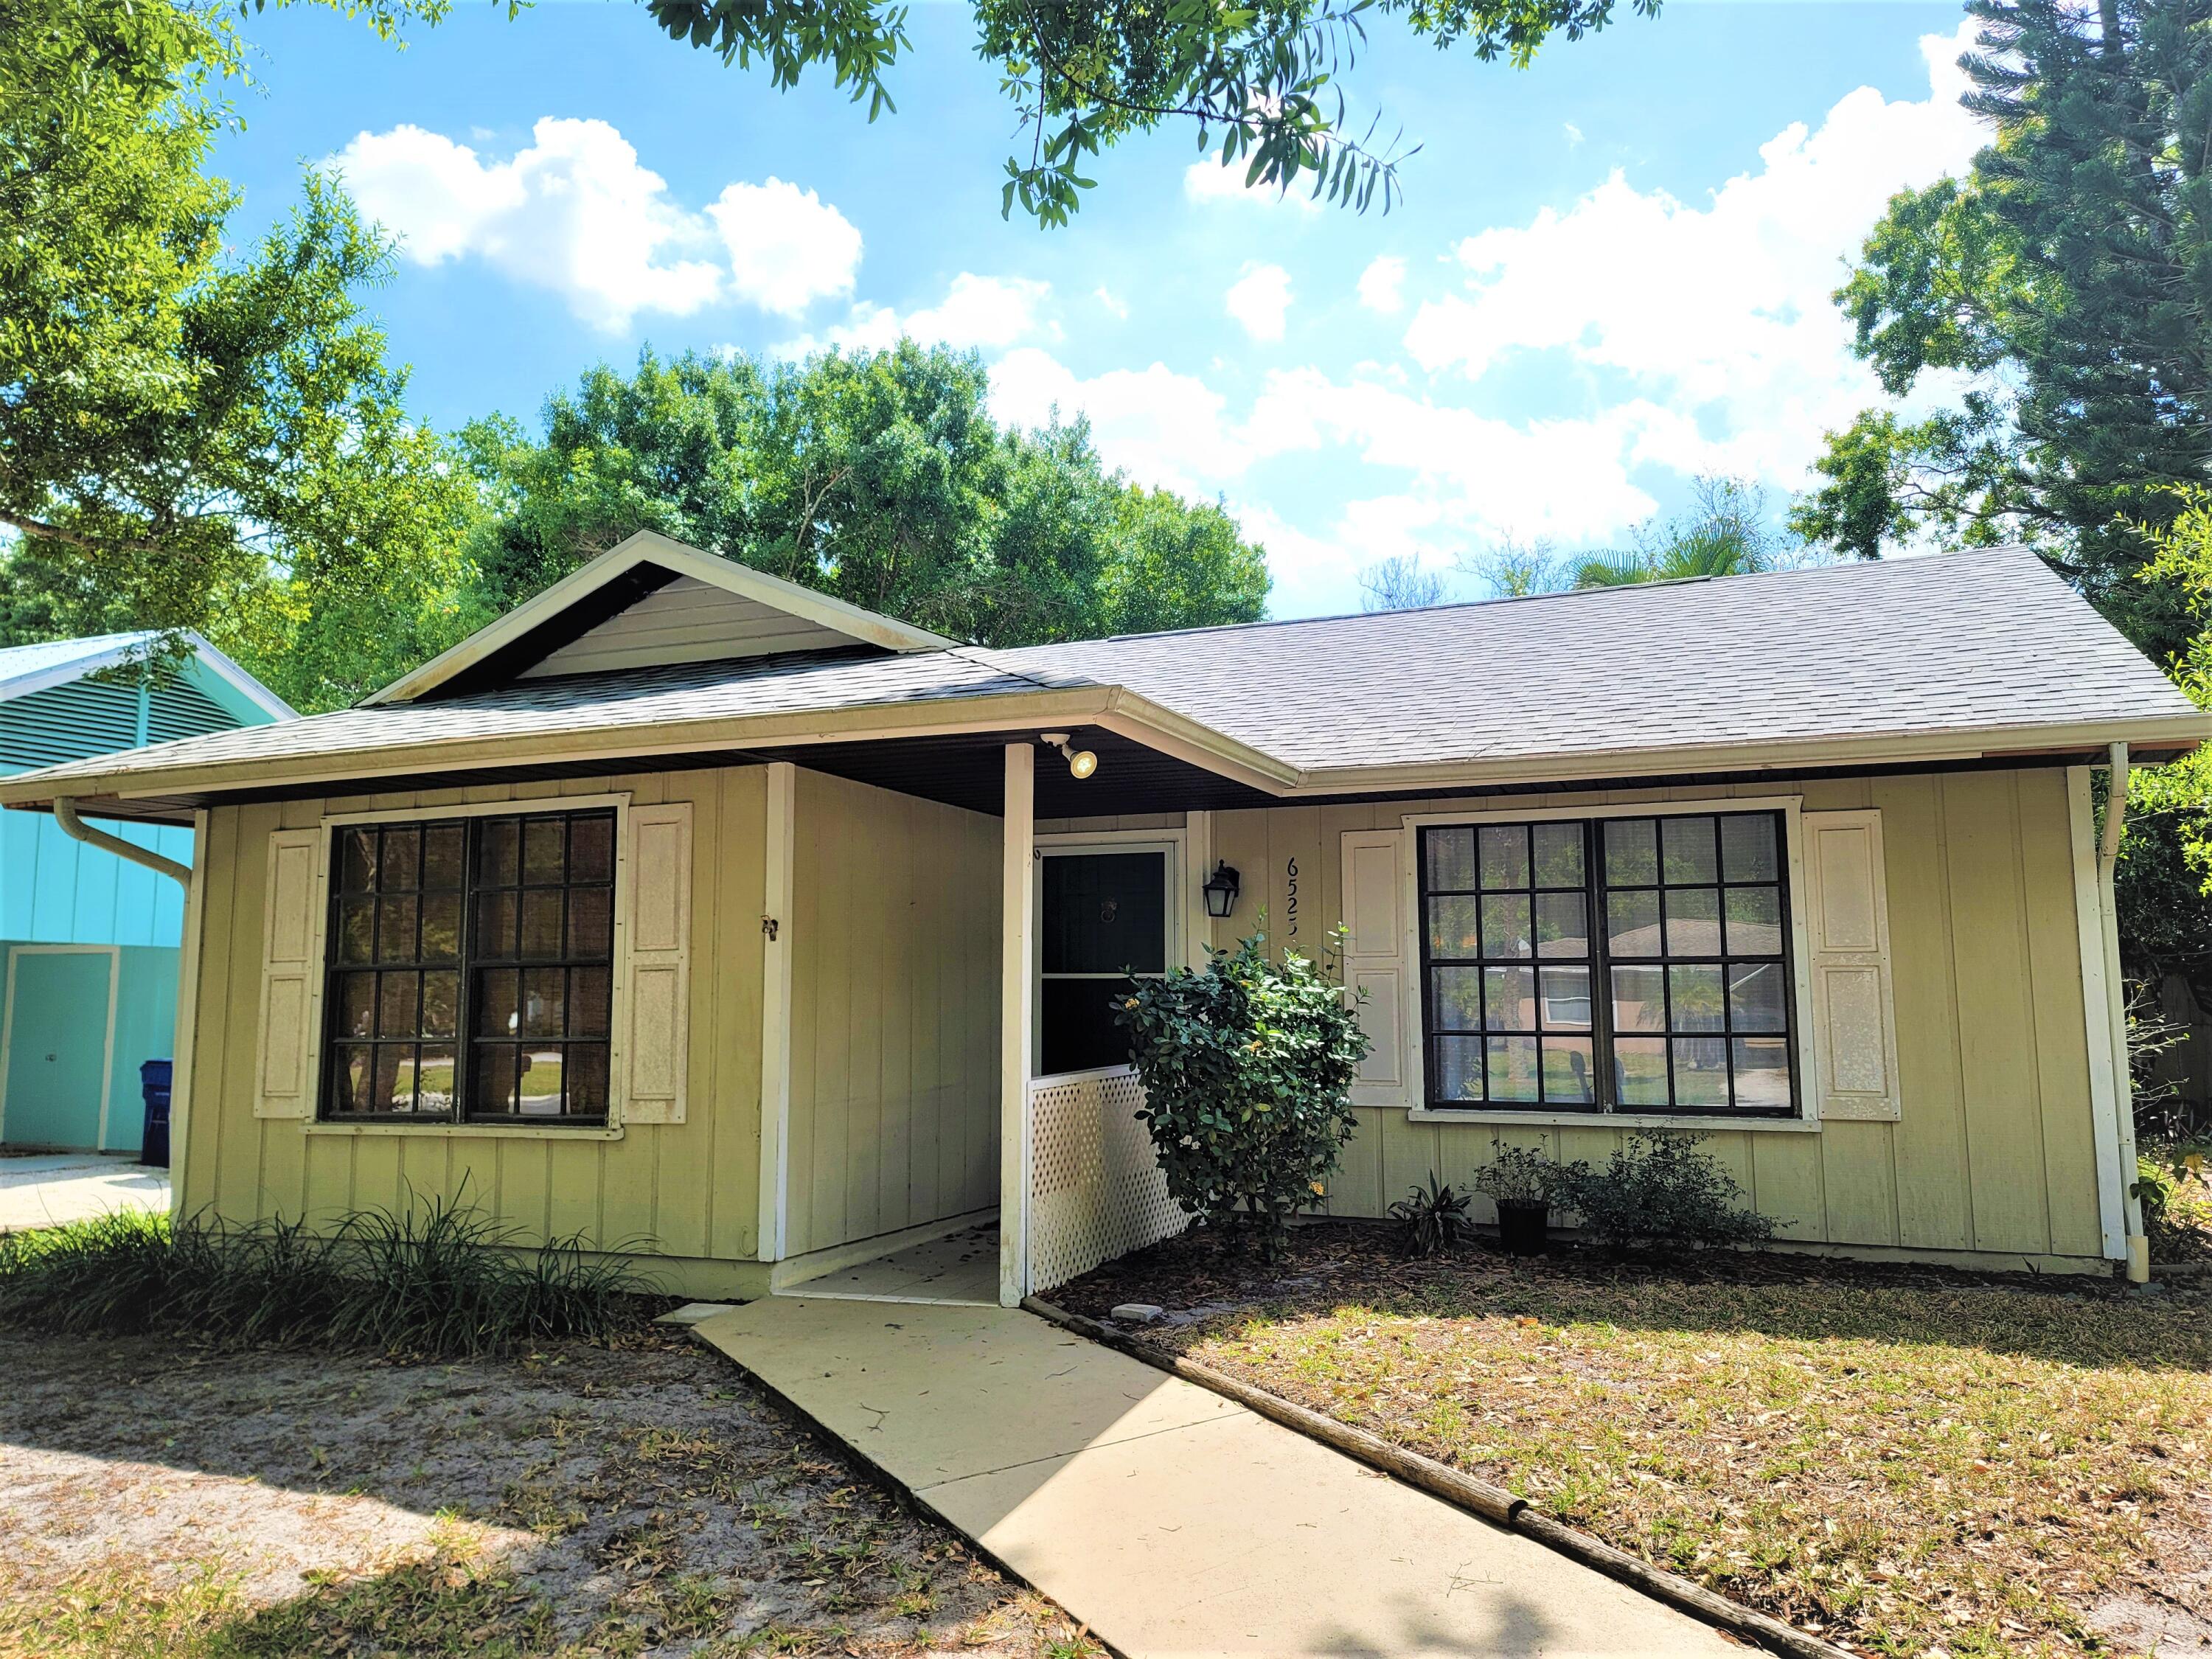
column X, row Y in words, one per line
column 89, row 940
column 755, row 936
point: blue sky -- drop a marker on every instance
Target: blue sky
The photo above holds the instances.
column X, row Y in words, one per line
column 1610, row 272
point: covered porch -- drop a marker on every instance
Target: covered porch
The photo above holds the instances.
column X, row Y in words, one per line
column 1103, row 849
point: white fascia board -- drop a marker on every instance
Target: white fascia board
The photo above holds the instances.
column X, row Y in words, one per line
column 650, row 547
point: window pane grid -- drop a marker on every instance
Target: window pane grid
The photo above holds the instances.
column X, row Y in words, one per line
column 542, row 949
column 1507, row 965
column 1675, row 1001
column 472, row 969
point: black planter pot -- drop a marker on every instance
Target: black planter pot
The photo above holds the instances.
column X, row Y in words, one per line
column 1523, row 1225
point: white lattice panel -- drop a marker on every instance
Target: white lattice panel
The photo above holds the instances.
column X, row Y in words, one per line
column 1096, row 1189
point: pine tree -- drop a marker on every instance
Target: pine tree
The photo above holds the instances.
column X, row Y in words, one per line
column 2067, row 278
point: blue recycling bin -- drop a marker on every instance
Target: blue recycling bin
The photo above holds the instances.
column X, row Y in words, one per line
column 154, row 1085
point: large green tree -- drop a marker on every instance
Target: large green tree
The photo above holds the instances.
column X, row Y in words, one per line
column 1261, row 80
column 191, row 439
column 878, row 477
column 2043, row 327
column 2055, row 306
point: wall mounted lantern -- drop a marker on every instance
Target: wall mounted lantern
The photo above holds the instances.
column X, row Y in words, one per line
column 1221, row 890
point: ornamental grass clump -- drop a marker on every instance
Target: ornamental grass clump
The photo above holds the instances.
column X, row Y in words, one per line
column 442, row 1280
column 1432, row 1219
column 1248, row 1068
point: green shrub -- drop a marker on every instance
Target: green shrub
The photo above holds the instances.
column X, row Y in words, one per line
column 443, row 1280
column 1248, row 1069
column 1661, row 1190
column 2155, row 1188
column 1521, row 1175
column 1432, row 1219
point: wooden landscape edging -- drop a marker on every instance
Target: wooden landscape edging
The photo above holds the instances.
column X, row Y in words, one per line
column 1493, row 1503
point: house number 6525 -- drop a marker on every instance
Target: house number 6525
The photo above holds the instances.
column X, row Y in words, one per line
column 1291, row 910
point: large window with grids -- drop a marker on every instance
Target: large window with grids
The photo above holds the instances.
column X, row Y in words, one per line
column 1637, row 965
column 471, row 969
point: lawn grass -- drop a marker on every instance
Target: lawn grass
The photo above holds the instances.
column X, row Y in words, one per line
column 1912, row 1463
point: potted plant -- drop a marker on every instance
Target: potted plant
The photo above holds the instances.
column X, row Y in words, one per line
column 1520, row 1182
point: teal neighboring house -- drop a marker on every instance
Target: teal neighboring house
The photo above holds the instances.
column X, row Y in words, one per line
column 88, row 942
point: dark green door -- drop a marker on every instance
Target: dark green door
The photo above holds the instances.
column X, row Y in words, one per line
column 56, row 1026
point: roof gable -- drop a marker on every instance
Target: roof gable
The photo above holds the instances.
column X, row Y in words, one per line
column 56, row 706
column 649, row 601
column 27, row 670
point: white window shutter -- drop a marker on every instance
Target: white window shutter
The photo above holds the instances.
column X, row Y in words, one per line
column 1854, row 1036
column 658, row 954
column 291, row 935
column 1375, row 961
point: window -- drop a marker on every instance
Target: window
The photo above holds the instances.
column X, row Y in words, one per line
column 1633, row 965
column 471, row 969
column 1102, row 918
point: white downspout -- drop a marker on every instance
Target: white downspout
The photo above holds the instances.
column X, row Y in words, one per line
column 2108, row 852
column 77, row 829
column 180, row 1048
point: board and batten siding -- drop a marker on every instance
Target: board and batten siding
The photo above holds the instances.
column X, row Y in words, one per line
column 893, row 1121
column 682, row 1195
column 1993, row 1151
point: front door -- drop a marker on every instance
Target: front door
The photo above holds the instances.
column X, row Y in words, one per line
column 1101, row 917
column 56, row 1035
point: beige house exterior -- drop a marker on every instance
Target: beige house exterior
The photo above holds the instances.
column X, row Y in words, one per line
column 840, row 916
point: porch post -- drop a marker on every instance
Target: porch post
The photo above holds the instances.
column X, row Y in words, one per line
column 1016, row 926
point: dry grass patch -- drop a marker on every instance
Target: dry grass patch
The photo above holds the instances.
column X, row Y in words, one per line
column 1913, row 1463
column 611, row 1501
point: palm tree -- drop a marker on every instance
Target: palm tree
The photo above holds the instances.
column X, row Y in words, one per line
column 1725, row 534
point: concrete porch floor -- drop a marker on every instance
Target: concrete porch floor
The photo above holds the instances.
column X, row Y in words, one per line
column 962, row 1269
column 1172, row 1521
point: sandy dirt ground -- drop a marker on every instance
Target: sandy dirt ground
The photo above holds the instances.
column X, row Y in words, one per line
column 640, row 1501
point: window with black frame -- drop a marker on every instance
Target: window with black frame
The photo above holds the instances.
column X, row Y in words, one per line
column 1102, row 919
column 471, row 969
column 1677, row 1002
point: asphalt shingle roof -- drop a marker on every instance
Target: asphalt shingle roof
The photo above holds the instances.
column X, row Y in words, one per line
column 1959, row 642
column 1965, row 641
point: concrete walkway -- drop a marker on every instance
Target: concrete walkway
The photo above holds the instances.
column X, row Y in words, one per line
column 1169, row 1520
column 47, row 1189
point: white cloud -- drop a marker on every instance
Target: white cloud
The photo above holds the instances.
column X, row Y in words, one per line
column 1112, row 303
column 1721, row 311
column 1381, row 284
column 1161, row 428
column 987, row 312
column 1734, row 361
column 1207, row 180
column 1258, row 301
column 576, row 212
column 788, row 246
column 1442, row 474
column 1574, row 134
